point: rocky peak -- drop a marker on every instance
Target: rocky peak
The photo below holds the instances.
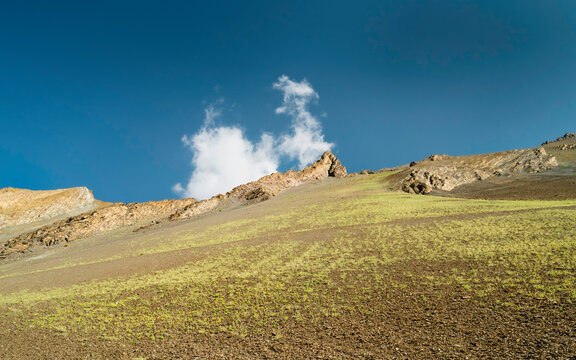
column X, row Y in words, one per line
column 336, row 168
column 268, row 186
column 561, row 138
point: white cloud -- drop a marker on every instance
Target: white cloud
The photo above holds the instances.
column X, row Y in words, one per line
column 224, row 158
column 306, row 142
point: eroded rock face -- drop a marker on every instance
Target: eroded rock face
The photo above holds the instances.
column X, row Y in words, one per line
column 438, row 157
column 20, row 206
column 417, row 183
column 445, row 173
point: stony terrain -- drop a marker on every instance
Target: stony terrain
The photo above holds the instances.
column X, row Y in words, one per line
column 468, row 176
column 342, row 268
column 567, row 136
column 338, row 267
column 93, row 222
column 444, row 172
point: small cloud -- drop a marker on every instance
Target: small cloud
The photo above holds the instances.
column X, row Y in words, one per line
column 178, row 189
column 306, row 142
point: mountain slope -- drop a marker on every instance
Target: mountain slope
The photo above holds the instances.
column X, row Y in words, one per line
column 518, row 174
column 339, row 268
column 144, row 215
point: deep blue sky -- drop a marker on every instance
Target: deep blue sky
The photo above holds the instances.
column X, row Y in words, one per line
column 99, row 93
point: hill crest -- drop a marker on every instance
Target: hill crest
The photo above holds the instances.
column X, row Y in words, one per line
column 22, row 206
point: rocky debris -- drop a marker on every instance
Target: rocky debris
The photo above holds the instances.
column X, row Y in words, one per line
column 198, row 208
column 528, row 161
column 267, row 186
column 367, row 172
column 20, row 206
column 147, row 226
column 567, row 147
column 561, row 138
column 89, row 223
column 456, row 171
column 438, row 157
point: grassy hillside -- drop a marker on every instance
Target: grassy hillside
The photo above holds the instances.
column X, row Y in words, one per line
column 343, row 268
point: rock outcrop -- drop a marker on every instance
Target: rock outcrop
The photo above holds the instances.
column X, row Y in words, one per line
column 20, row 206
column 267, row 186
column 567, row 147
column 152, row 213
column 445, row 173
column 561, row 138
column 89, row 223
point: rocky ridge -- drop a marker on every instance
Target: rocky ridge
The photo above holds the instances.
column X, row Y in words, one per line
column 567, row 147
column 21, row 206
column 89, row 223
column 267, row 186
column 561, row 138
column 445, row 172
column 151, row 213
column 440, row 172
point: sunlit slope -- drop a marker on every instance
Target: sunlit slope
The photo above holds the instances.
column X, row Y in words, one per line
column 342, row 267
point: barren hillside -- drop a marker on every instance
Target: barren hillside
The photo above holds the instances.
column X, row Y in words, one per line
column 145, row 215
column 340, row 266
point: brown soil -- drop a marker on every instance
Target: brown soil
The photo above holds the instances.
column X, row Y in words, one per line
column 535, row 187
column 453, row 324
column 450, row 324
column 401, row 327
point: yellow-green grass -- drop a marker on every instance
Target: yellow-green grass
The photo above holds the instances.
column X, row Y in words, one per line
column 321, row 254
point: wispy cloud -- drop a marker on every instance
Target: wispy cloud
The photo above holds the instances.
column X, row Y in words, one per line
column 224, row 158
column 306, row 141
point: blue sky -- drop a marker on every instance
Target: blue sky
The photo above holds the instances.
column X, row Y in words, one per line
column 100, row 94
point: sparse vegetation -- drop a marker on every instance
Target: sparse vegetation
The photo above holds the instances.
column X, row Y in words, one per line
column 350, row 259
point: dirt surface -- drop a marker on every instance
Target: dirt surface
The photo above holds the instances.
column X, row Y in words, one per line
column 415, row 320
column 402, row 327
column 535, row 187
column 338, row 268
